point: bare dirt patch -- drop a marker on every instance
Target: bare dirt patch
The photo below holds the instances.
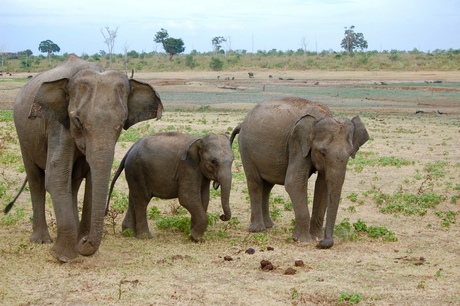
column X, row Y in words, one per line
column 421, row 268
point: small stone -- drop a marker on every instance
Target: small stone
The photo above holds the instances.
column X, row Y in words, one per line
column 250, row 251
column 290, row 271
column 228, row 258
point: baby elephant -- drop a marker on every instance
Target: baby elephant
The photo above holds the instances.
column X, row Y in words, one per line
column 174, row 165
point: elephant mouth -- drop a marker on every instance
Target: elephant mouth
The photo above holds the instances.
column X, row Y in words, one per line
column 215, row 185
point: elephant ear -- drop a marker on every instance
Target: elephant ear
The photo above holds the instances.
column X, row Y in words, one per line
column 301, row 137
column 143, row 103
column 360, row 135
column 51, row 102
column 191, row 148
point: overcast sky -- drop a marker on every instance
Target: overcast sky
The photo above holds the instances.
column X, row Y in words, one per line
column 75, row 26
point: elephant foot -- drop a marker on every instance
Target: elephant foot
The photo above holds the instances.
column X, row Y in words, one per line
column 257, row 227
column 41, row 237
column 63, row 254
column 144, row 235
column 269, row 223
column 325, row 244
column 317, row 233
column 195, row 237
column 301, row 236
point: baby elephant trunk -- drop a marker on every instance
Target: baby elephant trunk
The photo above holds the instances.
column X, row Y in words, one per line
column 225, row 185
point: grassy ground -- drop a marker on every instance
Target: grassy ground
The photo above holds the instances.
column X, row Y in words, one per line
column 396, row 227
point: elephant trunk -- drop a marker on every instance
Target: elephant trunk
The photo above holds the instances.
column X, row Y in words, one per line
column 226, row 185
column 100, row 162
column 334, row 190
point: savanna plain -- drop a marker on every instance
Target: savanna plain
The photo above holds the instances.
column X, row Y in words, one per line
column 396, row 234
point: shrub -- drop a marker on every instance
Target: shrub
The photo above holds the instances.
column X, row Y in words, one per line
column 216, row 64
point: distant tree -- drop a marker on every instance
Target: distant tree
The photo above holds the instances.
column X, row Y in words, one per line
column 170, row 45
column 109, row 40
column 47, row 46
column 125, row 57
column 353, row 40
column 217, row 43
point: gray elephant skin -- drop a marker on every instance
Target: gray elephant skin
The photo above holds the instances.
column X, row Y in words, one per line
column 284, row 142
column 175, row 165
column 78, row 110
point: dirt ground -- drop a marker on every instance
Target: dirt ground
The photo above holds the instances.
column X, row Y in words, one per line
column 411, row 121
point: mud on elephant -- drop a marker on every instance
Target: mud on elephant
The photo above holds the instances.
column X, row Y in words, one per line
column 284, row 142
column 79, row 111
column 174, row 165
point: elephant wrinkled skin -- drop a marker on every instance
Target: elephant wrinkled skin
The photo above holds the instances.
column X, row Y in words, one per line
column 79, row 111
column 284, row 142
column 174, row 165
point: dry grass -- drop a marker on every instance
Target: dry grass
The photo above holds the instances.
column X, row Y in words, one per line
column 421, row 268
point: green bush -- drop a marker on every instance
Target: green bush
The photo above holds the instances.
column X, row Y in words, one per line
column 216, row 64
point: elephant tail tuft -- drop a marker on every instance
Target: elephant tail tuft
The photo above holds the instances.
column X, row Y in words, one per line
column 10, row 205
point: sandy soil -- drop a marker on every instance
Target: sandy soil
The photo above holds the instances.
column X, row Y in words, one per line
column 421, row 268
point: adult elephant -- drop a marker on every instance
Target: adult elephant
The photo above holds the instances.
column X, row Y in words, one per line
column 175, row 165
column 79, row 111
column 284, row 142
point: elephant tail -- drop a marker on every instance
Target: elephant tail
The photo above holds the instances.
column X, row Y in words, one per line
column 235, row 132
column 115, row 177
column 10, row 205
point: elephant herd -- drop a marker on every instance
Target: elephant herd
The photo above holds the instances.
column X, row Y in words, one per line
column 68, row 121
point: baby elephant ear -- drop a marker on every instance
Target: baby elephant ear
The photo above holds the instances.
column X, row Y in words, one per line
column 188, row 148
column 360, row 135
column 302, row 135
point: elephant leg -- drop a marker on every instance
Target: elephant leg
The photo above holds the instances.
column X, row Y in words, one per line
column 204, row 202
column 267, row 188
column 199, row 225
column 255, row 189
column 136, row 216
column 65, row 247
column 296, row 187
column 199, row 218
column 319, row 207
column 36, row 179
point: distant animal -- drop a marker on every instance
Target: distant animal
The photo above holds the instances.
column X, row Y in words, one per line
column 437, row 81
column 280, row 78
column 29, row 76
column 218, row 77
column 384, row 83
column 316, row 83
column 251, row 74
column 270, row 76
column 175, row 165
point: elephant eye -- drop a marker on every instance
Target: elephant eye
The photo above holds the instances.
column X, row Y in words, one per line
column 78, row 122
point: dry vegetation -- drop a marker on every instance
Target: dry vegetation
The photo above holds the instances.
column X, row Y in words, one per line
column 404, row 183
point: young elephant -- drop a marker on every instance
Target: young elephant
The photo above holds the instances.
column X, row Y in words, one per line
column 284, row 142
column 173, row 165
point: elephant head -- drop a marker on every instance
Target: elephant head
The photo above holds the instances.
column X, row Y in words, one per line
column 328, row 142
column 93, row 107
column 215, row 162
